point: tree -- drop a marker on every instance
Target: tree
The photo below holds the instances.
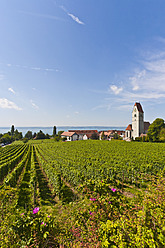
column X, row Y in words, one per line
column 102, row 136
column 94, row 136
column 6, row 139
column 12, row 130
column 40, row 135
column 59, row 133
column 162, row 135
column 116, row 136
column 17, row 135
column 47, row 136
column 28, row 135
column 54, row 131
column 34, row 135
column 154, row 130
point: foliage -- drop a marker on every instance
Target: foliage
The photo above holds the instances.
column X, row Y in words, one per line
column 154, row 130
column 28, row 135
column 139, row 139
column 108, row 194
column 6, row 139
column 162, row 135
column 94, row 136
column 17, row 135
column 54, row 131
column 117, row 136
column 59, row 133
column 102, row 136
column 12, row 130
column 41, row 135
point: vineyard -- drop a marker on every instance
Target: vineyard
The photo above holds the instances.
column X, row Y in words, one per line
column 82, row 194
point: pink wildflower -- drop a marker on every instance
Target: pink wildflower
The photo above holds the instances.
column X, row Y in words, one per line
column 22, row 214
column 92, row 199
column 113, row 190
column 35, row 210
column 109, row 202
column 90, row 212
column 48, row 216
column 43, row 223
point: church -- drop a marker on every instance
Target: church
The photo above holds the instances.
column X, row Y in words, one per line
column 139, row 127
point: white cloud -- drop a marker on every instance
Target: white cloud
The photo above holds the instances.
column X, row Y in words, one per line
column 6, row 104
column 146, row 84
column 76, row 113
column 135, row 87
column 136, row 78
column 11, row 90
column 115, row 89
column 34, row 105
column 76, row 19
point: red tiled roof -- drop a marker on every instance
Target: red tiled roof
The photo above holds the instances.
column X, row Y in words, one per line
column 68, row 134
column 106, row 133
column 139, row 107
column 129, row 127
column 83, row 131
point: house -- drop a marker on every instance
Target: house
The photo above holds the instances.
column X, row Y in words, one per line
column 120, row 133
column 70, row 136
column 85, row 134
column 108, row 135
column 138, row 126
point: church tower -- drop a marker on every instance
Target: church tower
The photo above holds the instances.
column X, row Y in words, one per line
column 137, row 120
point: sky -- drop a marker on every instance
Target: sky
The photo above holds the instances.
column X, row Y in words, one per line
column 81, row 62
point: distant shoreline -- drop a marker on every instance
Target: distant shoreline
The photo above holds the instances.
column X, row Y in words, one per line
column 49, row 130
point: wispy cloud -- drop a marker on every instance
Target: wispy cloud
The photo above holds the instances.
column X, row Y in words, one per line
column 116, row 90
column 51, row 17
column 34, row 105
column 74, row 18
column 146, row 83
column 35, row 68
column 6, row 104
column 11, row 90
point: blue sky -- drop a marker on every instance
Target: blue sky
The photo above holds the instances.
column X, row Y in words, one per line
column 81, row 62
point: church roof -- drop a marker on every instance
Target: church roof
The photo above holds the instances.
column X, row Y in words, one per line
column 146, row 125
column 129, row 127
column 139, row 107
